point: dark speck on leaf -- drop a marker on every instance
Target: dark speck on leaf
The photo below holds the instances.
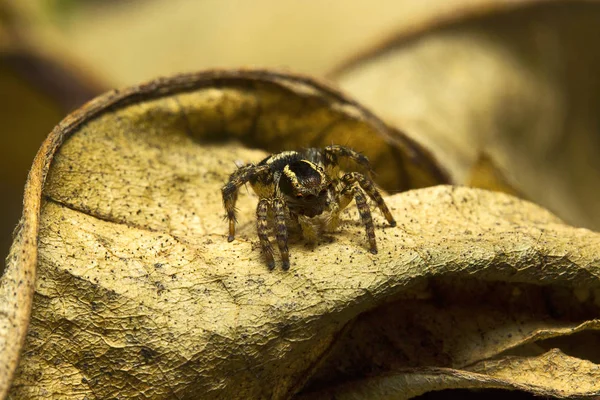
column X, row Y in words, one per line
column 148, row 354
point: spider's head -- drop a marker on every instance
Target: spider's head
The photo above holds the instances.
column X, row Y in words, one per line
column 305, row 187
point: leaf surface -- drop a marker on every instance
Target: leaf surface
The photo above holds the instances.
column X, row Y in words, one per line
column 139, row 294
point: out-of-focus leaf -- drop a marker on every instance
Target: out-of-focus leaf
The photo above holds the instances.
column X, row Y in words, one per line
column 36, row 94
column 519, row 87
column 455, row 325
column 551, row 374
column 130, row 239
column 129, row 41
column 27, row 115
column 486, row 174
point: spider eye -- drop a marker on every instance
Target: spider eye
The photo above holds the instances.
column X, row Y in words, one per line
column 299, row 195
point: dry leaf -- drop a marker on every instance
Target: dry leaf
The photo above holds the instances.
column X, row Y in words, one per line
column 548, row 375
column 139, row 294
column 141, row 160
column 518, row 87
column 486, row 174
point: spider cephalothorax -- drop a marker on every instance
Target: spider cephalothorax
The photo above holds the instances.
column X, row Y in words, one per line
column 305, row 188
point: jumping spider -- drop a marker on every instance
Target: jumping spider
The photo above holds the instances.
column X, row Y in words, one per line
column 306, row 188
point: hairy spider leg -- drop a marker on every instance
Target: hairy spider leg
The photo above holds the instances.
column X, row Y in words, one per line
column 230, row 191
column 310, row 231
column 339, row 203
column 365, row 213
column 262, row 227
column 333, row 153
column 281, row 231
column 368, row 186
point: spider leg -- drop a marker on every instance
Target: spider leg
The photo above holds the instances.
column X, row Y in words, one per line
column 369, row 187
column 310, row 231
column 365, row 216
column 230, row 191
column 333, row 153
column 341, row 197
column 346, row 195
column 262, row 227
column 281, row 232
